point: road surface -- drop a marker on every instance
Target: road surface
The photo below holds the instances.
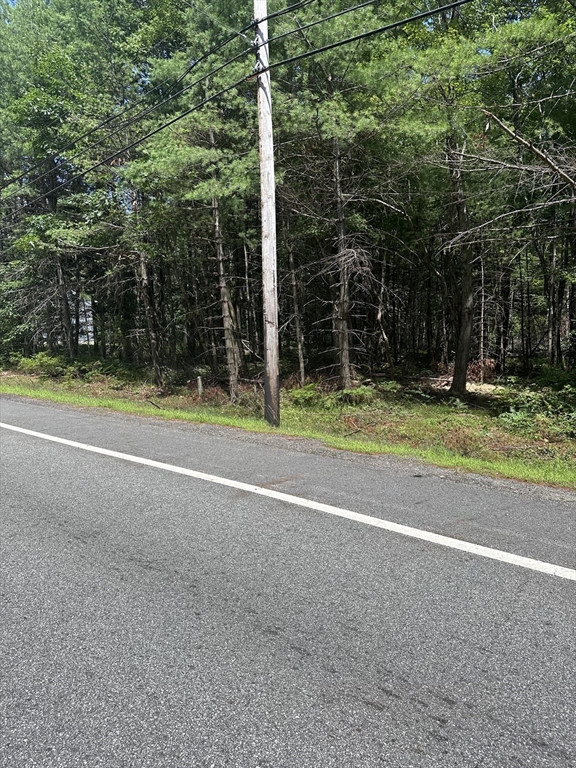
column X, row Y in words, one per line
column 153, row 619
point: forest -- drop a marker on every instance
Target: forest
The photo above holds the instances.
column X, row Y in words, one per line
column 425, row 183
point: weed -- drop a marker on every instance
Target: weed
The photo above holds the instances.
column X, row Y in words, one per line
column 307, row 396
column 517, row 431
column 463, row 442
column 362, row 395
column 43, row 364
column 532, row 411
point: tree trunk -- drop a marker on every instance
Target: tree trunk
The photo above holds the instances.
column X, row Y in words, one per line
column 233, row 355
column 296, row 310
column 76, row 334
column 383, row 336
column 342, row 304
column 504, row 320
column 462, row 356
column 572, row 326
column 144, row 285
column 482, row 320
column 125, row 305
column 66, row 318
column 465, row 269
column 252, row 320
column 549, row 272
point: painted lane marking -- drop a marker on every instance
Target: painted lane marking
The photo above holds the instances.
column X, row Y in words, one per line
column 404, row 530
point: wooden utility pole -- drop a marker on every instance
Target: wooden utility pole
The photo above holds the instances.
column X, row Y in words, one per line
column 268, row 207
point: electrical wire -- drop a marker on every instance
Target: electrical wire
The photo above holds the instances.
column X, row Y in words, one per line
column 144, row 113
column 306, row 54
column 135, row 143
column 294, row 7
column 215, row 20
column 151, row 109
column 135, row 119
column 289, row 9
column 365, row 35
column 321, row 21
column 111, row 118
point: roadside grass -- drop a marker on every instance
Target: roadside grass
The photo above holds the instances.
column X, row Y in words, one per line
column 499, row 433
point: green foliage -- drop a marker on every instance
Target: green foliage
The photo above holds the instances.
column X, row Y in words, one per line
column 529, row 410
column 312, row 396
column 85, row 368
column 472, row 440
column 362, row 395
column 308, row 396
column 43, row 364
column 399, row 111
column 555, row 378
column 389, row 387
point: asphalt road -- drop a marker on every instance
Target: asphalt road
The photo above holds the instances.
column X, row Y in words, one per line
column 154, row 620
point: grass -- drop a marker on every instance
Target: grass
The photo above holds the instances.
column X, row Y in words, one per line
column 490, row 434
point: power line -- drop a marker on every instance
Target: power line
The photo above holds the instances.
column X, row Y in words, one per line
column 326, row 18
column 135, row 119
column 149, row 110
column 111, row 118
column 215, row 20
column 140, row 140
column 306, row 54
column 144, row 113
column 275, row 15
column 365, row 35
column 289, row 9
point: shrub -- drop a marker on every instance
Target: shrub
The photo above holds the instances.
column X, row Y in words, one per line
column 43, row 364
column 362, row 395
column 555, row 378
column 528, row 409
column 307, row 396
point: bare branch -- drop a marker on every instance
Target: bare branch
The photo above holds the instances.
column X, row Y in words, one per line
column 529, row 145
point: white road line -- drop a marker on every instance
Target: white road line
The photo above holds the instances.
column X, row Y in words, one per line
column 404, row 530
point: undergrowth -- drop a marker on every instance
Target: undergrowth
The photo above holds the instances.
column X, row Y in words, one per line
column 519, row 429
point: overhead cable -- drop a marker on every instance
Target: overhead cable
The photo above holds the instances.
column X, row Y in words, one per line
column 365, row 35
column 321, row 21
column 112, row 118
column 144, row 113
column 124, row 126
column 298, row 57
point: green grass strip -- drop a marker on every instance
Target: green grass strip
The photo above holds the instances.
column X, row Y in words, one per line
column 554, row 472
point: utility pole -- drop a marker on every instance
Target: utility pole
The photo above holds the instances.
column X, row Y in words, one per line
column 268, row 208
